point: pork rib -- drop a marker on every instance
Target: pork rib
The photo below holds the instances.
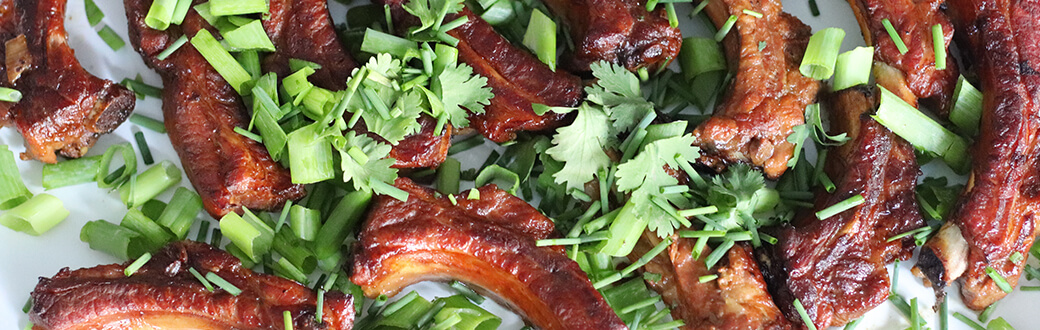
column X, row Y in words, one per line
column 617, row 31
column 768, row 95
column 163, row 294
column 996, row 214
column 489, row 242
column 836, row 266
column 63, row 107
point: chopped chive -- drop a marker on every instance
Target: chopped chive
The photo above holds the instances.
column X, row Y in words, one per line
column 805, row 316
column 896, row 38
column 580, row 195
column 250, row 36
column 853, row 68
column 643, row 260
column 915, row 317
column 69, row 172
column 822, row 53
column 698, row 211
column 111, row 38
column 465, row 291
column 237, row 7
column 173, row 47
column 473, row 194
column 1015, row 257
column 852, row 325
column 912, row 232
column 205, row 283
column 673, row 18
column 448, row 176
column 998, row 279
column 10, row 95
column 203, row 232
column 466, row 144
column 813, row 8
column 180, row 214
column 216, row 238
column 28, row 305
column 967, row 108
column 640, row 304
column 939, row 46
column 160, row 14
column 968, row 321
column 320, row 309
column 285, row 268
column 142, row 145
column 35, row 216
column 984, row 316
column 752, row 13
column 573, row 240
column 141, row 88
column 700, row 7
column 223, row 284
column 286, row 319
column 248, row 134
column 701, row 233
column 707, row 278
column 840, row 207
column 149, row 123
column 150, row 183
column 719, row 252
column 1029, row 288
column 221, row 60
column 944, row 314
column 451, row 198
column 724, row 30
column 137, row 264
column 94, row 13
column 921, row 131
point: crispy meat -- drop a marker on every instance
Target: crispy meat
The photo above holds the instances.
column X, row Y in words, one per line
column 768, row 95
column 63, row 107
column 201, row 110
column 996, row 215
column 488, row 242
column 164, row 295
column 737, row 299
column 913, row 75
column 836, row 267
column 617, row 31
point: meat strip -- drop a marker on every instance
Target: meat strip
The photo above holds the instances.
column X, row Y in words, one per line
column 63, row 108
column 163, row 294
column 768, row 95
column 489, row 242
column 201, row 111
column 617, row 31
column 835, row 267
column 996, row 214
column 913, row 75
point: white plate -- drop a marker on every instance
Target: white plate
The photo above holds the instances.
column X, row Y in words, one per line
column 25, row 258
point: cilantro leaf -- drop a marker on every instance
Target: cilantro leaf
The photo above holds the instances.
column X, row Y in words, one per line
column 403, row 121
column 580, row 147
column 460, row 90
column 617, row 90
column 431, row 12
column 646, row 170
column 364, row 160
column 797, row 138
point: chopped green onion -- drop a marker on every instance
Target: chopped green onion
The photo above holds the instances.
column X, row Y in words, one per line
column 473, row 317
column 320, row 309
column 908, row 233
column 915, row 317
column 498, row 13
column 248, row 134
column 813, row 8
column 142, row 144
column 473, row 194
column 10, row 95
column 673, row 18
column 944, row 314
column 643, row 260
column 540, row 38
column 216, row 239
column 160, row 14
column 36, row 215
column 12, row 190
column 699, row 56
column 174, row 46
column 499, row 176
column 118, row 241
column 94, row 13
column 141, row 88
column 967, row 108
column 285, row 268
column 180, row 214
column 155, row 235
column 984, row 316
column 70, row 172
column 237, row 7
column 111, row 38
column 573, row 240
column 137, row 264
column 448, row 176
column 466, row 144
column 150, row 183
column 248, row 232
column 220, row 59
column 203, row 232
column 1016, row 257
column 968, row 321
column 715, row 256
column 707, row 278
column 999, row 324
column 310, row 155
column 640, row 304
column 822, row 53
column 852, row 325
column 304, row 222
column 148, row 123
column 205, row 283
column 465, row 291
column 250, row 36
column 180, row 12
column 805, row 316
column 921, row 131
column 377, row 42
column 853, row 68
column 724, row 30
column 939, row 46
column 699, row 8
column 698, row 211
column 896, row 38
column 998, row 279
column 223, row 284
column 752, row 13
column 1029, row 288
column 841, row 206
column 340, row 223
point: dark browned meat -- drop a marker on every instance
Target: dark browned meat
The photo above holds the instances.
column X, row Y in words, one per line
column 517, row 78
column 912, row 75
column 836, row 267
column 165, row 295
column 768, row 95
column 617, row 31
column 996, row 215
column 489, row 242
column 737, row 299
column 63, row 107
column 201, row 110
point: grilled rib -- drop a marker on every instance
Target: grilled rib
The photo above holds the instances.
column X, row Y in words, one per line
column 995, row 216
column 836, row 266
column 63, row 107
column 913, row 75
column 617, row 31
column 201, row 111
column 768, row 95
column 163, row 294
column 488, row 242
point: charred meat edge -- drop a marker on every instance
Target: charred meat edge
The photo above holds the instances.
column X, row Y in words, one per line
column 163, row 293
column 617, row 31
column 63, row 108
column 768, row 95
column 996, row 214
column 836, row 266
column 489, row 242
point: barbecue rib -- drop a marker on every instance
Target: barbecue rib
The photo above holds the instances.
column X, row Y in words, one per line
column 517, row 78
column 201, row 110
column 836, row 266
column 63, row 107
column 165, row 295
column 768, row 95
column 489, row 242
column 737, row 299
column 617, row 31
column 913, row 75
column 995, row 216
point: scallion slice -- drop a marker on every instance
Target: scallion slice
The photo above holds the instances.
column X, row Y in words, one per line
column 448, row 176
column 36, row 215
column 310, row 155
column 150, row 183
column 160, row 14
column 221, row 60
column 540, row 38
column 896, row 38
column 250, row 36
column 12, row 190
column 141, row 89
column 939, row 46
column 137, row 264
column 116, row 240
column 149, row 123
column 707, row 278
column 699, row 56
column 804, row 315
column 842, row 206
column 822, row 53
column 340, row 223
column 174, row 46
column 180, row 214
column 223, row 284
column 968, row 321
column 111, row 38
column 921, row 131
column 94, row 13
column 10, row 95
column 377, row 42
column 724, row 30
column 998, row 279
column 305, row 222
column 237, row 7
column 249, row 233
column 853, row 68
column 967, row 108
column 70, row 172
